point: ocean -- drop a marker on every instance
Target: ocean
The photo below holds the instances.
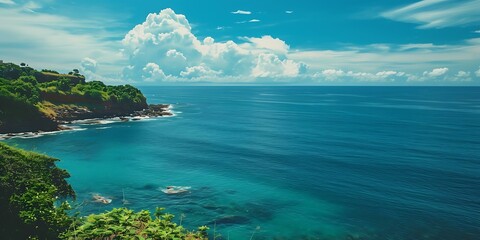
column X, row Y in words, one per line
column 290, row 162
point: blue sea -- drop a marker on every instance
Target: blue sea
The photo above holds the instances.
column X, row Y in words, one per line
column 290, row 162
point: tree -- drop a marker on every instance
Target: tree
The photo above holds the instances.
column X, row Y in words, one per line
column 23, row 64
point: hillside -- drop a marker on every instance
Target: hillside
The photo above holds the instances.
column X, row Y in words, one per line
column 32, row 100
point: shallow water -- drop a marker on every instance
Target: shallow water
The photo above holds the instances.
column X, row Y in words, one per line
column 291, row 162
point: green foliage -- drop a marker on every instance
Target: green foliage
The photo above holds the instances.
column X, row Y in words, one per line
column 21, row 83
column 122, row 223
column 126, row 94
column 12, row 71
column 30, row 185
column 62, row 85
column 50, row 71
column 24, row 89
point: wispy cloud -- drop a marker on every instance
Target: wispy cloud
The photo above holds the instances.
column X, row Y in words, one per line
column 412, row 58
column 48, row 40
column 288, row 12
column 242, row 12
column 250, row 21
column 437, row 13
column 9, row 2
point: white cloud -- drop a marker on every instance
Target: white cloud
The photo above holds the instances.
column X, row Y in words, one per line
column 8, row 2
column 242, row 12
column 477, row 31
column 477, row 73
column 270, row 65
column 249, row 21
column 267, row 43
column 437, row 13
column 462, row 76
column 54, row 41
column 31, row 6
column 152, row 72
column 201, row 71
column 330, row 74
column 352, row 76
column 89, row 65
column 165, row 39
column 288, row 12
column 437, row 72
column 410, row 58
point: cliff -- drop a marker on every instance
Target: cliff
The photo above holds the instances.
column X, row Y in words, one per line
column 32, row 101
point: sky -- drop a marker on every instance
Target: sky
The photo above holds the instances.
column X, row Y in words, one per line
column 238, row 42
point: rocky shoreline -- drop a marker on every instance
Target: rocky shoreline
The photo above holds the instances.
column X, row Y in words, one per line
column 66, row 118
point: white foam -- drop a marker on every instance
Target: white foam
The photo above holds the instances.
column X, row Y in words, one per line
column 75, row 125
column 29, row 135
column 101, row 128
column 176, row 189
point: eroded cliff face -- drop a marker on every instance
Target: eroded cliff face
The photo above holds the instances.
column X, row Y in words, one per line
column 74, row 107
column 17, row 116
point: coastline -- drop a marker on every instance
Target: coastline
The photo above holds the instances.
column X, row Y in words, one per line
column 152, row 112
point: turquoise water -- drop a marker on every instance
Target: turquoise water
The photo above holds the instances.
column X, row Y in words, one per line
column 291, row 162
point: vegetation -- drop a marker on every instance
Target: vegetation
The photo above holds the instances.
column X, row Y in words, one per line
column 25, row 93
column 30, row 188
column 50, row 71
column 30, row 185
column 122, row 223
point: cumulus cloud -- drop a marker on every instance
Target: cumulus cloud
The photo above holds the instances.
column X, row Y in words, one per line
column 462, row 76
column 242, row 12
column 477, row 73
column 89, row 65
column 163, row 48
column 437, row 72
column 270, row 65
column 267, row 43
column 201, row 71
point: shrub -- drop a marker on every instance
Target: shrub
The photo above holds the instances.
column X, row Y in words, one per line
column 122, row 223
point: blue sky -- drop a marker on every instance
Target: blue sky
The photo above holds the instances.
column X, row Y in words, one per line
column 372, row 42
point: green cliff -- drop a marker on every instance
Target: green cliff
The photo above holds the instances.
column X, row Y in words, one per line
column 32, row 100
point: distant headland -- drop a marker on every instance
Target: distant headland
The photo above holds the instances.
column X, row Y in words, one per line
column 36, row 101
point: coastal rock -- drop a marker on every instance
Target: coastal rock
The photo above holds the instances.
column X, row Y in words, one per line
column 31, row 122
